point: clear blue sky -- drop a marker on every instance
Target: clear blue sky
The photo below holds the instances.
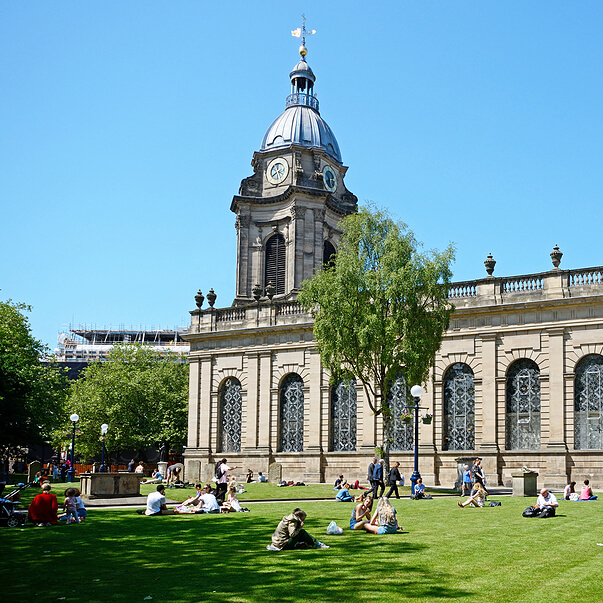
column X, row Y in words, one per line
column 126, row 128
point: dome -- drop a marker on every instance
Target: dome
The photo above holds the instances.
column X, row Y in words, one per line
column 300, row 124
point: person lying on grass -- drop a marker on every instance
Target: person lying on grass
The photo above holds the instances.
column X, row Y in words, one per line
column 361, row 514
column 289, row 534
column 477, row 498
column 384, row 520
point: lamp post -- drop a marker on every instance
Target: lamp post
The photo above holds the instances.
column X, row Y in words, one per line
column 71, row 473
column 416, row 392
column 104, row 429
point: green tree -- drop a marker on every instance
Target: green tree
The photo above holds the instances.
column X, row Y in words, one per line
column 140, row 392
column 32, row 393
column 380, row 308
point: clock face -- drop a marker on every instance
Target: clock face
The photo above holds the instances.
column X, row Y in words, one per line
column 329, row 178
column 277, row 170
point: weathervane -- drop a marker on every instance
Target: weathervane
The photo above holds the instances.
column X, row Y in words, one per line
column 302, row 32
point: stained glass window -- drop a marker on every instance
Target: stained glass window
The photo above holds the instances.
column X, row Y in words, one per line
column 459, row 408
column 292, row 414
column 523, row 406
column 588, row 403
column 230, row 416
column 343, row 416
column 402, row 434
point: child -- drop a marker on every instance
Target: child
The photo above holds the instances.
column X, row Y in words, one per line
column 70, row 506
column 232, row 504
column 82, row 513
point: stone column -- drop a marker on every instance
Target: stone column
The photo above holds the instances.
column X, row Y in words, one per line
column 366, row 444
column 556, row 460
column 313, row 464
column 264, row 416
column 249, row 440
column 193, row 404
column 488, row 447
column 205, row 417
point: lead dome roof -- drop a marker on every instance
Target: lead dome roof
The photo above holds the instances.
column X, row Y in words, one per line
column 301, row 122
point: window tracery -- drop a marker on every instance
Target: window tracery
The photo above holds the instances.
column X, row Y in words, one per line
column 292, row 414
column 231, row 406
column 343, row 416
column 588, row 403
column 459, row 408
column 523, row 406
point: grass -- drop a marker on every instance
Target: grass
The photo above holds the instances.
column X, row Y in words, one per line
column 444, row 554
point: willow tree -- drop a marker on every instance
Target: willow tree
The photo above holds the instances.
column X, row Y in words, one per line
column 380, row 308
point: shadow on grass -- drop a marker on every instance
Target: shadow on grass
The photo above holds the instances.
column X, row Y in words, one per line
column 120, row 556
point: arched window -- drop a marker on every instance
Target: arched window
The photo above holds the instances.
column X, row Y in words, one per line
column 230, row 416
column 402, row 434
column 343, row 416
column 275, row 263
column 328, row 253
column 523, row 406
column 459, row 408
column 292, row 414
column 588, row 403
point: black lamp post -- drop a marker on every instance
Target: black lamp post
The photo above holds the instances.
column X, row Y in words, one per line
column 104, row 429
column 71, row 473
column 416, row 392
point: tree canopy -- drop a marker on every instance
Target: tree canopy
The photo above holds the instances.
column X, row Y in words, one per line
column 32, row 393
column 380, row 308
column 141, row 393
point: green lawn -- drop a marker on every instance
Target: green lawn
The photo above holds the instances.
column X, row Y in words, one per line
column 445, row 553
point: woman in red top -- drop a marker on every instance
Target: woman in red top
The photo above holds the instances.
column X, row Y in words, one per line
column 43, row 509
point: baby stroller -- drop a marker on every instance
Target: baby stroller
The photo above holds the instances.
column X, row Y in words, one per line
column 9, row 516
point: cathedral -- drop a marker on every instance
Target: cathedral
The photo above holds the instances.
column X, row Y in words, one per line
column 518, row 380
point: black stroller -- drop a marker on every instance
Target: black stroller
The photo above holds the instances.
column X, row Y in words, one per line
column 9, row 516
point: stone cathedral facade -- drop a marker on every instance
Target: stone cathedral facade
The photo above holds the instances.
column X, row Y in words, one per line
column 518, row 380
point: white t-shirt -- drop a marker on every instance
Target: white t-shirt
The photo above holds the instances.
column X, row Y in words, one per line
column 139, row 469
column 548, row 501
column 154, row 502
column 224, row 477
column 210, row 502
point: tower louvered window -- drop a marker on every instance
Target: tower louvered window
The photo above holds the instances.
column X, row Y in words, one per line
column 328, row 253
column 275, row 263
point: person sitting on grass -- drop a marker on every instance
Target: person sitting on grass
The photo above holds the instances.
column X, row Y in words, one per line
column 232, row 504
column 156, row 503
column 477, row 498
column 156, row 478
column 289, row 534
column 208, row 503
column 361, row 513
column 70, row 506
column 344, row 494
column 338, row 483
column 188, row 506
column 261, row 478
column 546, row 503
column 586, row 493
column 44, row 507
column 384, row 520
column 419, row 489
column 569, row 490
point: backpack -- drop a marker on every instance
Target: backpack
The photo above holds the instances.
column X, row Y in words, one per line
column 219, row 472
column 495, row 503
column 531, row 512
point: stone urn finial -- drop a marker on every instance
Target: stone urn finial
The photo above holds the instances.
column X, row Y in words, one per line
column 211, row 297
column 199, row 299
column 489, row 264
column 556, row 256
column 257, row 292
column 270, row 290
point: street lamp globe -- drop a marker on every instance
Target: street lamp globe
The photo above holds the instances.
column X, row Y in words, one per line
column 74, row 417
column 416, row 391
column 104, row 428
column 71, row 473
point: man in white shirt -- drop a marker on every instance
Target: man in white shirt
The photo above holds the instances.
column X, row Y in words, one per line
column 547, row 503
column 208, row 502
column 156, row 503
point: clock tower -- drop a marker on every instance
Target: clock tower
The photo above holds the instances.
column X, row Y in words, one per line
column 289, row 209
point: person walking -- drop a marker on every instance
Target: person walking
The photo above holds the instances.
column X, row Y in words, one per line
column 393, row 479
column 369, row 476
column 378, row 479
